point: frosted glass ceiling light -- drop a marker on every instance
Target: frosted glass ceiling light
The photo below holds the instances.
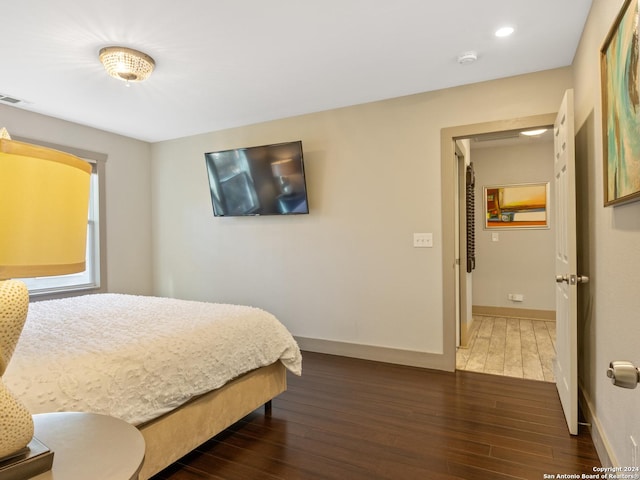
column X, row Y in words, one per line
column 504, row 31
column 127, row 64
column 534, row 133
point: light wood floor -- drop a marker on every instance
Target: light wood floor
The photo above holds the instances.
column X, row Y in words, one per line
column 511, row 347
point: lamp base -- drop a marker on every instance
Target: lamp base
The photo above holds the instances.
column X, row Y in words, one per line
column 33, row 460
column 16, row 424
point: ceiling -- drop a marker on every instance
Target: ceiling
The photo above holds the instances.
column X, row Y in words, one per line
column 228, row 63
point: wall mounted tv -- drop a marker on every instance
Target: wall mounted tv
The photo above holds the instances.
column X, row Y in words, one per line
column 263, row 180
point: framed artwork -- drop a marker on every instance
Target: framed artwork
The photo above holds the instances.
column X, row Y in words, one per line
column 620, row 83
column 524, row 205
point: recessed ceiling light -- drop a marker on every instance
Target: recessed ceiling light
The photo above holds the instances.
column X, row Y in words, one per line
column 504, row 31
column 534, row 133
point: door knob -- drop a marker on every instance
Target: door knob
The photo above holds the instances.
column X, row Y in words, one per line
column 562, row 278
column 623, row 374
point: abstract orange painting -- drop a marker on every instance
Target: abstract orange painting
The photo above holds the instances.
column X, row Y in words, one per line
column 522, row 205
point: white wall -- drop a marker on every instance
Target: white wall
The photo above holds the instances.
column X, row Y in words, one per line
column 128, row 194
column 521, row 261
column 610, row 237
column 347, row 272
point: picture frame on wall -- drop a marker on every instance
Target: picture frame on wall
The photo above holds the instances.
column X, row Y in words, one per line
column 516, row 206
column 620, row 84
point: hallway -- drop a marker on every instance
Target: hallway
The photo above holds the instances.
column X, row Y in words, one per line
column 513, row 347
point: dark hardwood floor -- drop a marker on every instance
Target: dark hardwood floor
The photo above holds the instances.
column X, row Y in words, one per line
column 351, row 419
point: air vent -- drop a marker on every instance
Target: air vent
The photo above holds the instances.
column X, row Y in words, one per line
column 8, row 99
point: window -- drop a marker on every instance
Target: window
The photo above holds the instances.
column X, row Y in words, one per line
column 90, row 278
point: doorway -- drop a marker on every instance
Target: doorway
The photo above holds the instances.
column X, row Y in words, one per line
column 455, row 283
column 508, row 324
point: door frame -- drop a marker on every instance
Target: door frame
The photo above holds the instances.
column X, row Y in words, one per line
column 451, row 289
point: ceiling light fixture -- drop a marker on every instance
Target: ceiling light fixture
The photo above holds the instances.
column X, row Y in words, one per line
column 534, row 133
column 127, row 64
column 504, row 31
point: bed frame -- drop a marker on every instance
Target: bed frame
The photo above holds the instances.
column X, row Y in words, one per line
column 173, row 435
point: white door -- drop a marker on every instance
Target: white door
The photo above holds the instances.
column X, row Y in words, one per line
column 566, row 362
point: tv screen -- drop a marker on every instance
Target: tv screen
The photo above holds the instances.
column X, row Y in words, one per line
column 264, row 180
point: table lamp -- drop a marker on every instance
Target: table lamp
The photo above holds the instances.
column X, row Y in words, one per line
column 44, row 201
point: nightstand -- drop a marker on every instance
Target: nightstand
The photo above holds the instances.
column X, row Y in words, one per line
column 89, row 446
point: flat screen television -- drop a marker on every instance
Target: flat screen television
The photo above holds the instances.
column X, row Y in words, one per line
column 262, row 180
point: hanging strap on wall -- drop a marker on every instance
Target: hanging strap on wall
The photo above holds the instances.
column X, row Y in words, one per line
column 471, row 218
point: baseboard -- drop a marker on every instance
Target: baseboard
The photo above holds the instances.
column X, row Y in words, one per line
column 546, row 315
column 379, row 354
column 603, row 448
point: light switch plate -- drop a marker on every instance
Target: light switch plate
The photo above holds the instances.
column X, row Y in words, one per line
column 423, row 240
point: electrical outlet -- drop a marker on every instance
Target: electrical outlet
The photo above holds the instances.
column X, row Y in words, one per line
column 516, row 297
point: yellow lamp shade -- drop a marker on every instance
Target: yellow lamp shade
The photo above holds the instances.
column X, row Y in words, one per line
column 44, row 198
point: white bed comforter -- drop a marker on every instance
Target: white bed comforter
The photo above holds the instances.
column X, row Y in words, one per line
column 137, row 357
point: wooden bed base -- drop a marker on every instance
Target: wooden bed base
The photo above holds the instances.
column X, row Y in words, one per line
column 173, row 435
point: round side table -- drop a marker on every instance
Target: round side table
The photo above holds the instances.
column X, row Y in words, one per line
column 89, row 446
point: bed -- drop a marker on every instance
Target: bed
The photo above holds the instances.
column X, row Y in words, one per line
column 181, row 371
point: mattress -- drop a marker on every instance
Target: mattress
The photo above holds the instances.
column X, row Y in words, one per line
column 136, row 357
